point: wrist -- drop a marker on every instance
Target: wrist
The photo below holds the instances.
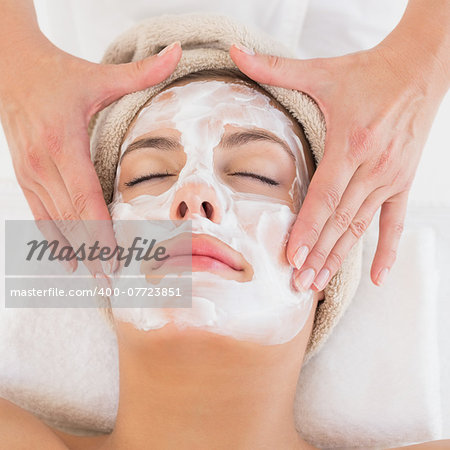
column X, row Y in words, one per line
column 420, row 44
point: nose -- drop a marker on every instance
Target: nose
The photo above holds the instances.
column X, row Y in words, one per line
column 196, row 198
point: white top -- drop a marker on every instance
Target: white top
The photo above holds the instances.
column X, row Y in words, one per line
column 310, row 27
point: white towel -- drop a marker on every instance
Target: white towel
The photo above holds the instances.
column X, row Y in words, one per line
column 377, row 381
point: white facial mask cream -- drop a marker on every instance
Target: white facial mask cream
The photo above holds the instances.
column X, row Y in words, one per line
column 266, row 309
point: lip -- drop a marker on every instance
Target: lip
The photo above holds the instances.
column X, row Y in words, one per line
column 209, row 247
column 201, row 253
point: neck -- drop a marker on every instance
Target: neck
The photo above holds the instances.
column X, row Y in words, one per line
column 192, row 389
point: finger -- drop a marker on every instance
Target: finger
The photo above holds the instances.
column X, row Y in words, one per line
column 289, row 73
column 47, row 227
column 339, row 252
column 392, row 218
column 66, row 220
column 78, row 196
column 343, row 219
column 49, row 187
column 322, row 198
column 75, row 232
column 117, row 80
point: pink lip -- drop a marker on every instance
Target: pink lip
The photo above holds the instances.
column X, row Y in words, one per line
column 205, row 248
column 204, row 253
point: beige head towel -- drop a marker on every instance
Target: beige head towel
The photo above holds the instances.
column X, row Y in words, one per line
column 205, row 41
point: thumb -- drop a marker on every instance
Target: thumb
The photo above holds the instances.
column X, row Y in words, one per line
column 289, row 73
column 117, row 80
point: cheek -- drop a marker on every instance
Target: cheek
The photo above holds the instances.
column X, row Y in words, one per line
column 268, row 224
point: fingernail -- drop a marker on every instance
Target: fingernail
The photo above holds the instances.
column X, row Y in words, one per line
column 169, row 48
column 382, row 276
column 244, row 49
column 304, row 280
column 300, row 256
column 68, row 266
column 322, row 279
column 110, row 266
column 102, row 280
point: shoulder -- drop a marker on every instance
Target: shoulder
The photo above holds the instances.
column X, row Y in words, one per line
column 19, row 429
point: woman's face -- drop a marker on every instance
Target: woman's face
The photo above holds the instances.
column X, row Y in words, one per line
column 222, row 155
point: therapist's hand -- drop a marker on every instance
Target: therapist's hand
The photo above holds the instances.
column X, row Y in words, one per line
column 47, row 98
column 378, row 105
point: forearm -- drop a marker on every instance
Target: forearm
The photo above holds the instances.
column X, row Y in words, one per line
column 17, row 21
column 20, row 36
column 422, row 41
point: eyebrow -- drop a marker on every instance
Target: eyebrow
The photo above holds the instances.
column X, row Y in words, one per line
column 235, row 139
column 157, row 142
column 244, row 137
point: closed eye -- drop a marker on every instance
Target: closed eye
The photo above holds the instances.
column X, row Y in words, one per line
column 261, row 178
column 150, row 176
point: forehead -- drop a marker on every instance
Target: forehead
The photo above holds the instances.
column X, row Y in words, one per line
column 219, row 98
column 234, row 85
